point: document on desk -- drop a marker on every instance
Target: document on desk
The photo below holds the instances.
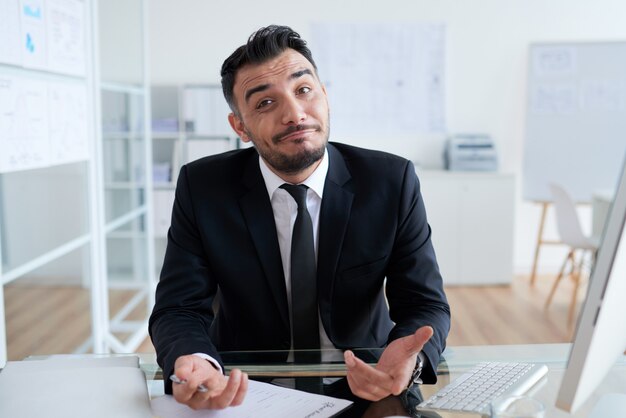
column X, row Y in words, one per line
column 74, row 388
column 263, row 400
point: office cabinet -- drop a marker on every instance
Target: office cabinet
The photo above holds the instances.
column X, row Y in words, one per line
column 472, row 219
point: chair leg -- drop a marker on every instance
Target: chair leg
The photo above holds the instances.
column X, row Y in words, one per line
column 570, row 256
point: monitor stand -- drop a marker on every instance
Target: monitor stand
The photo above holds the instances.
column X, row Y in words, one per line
column 611, row 405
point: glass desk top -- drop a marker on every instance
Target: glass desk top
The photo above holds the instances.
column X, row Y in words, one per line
column 455, row 361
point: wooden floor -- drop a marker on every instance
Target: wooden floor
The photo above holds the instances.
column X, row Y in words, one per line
column 47, row 320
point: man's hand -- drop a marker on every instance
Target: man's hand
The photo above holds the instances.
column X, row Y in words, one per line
column 393, row 371
column 222, row 391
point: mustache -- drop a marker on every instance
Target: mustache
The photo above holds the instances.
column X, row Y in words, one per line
column 294, row 128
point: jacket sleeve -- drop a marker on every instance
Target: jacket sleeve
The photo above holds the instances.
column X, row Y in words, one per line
column 183, row 311
column 414, row 283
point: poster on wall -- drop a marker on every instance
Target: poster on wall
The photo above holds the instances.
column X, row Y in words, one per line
column 42, row 123
column 23, row 123
column 382, row 78
column 33, row 28
column 68, row 127
column 65, row 35
column 44, row 118
column 10, row 34
column 46, row 35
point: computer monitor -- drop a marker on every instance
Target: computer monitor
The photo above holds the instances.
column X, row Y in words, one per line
column 601, row 332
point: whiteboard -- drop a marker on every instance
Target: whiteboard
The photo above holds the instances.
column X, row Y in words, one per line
column 576, row 118
column 382, row 78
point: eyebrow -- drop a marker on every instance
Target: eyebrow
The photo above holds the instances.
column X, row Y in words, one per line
column 263, row 87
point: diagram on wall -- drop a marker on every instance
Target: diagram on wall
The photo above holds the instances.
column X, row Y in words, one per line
column 23, row 124
column 43, row 110
column 10, row 35
column 33, row 40
column 68, row 127
column 382, row 78
column 65, row 35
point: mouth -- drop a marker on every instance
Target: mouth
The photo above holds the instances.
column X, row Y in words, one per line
column 295, row 132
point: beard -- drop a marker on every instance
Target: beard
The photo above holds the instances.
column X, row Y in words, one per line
column 291, row 163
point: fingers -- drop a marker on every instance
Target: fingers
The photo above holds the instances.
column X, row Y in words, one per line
column 234, row 391
column 194, row 371
column 241, row 392
column 230, row 391
column 413, row 344
column 365, row 381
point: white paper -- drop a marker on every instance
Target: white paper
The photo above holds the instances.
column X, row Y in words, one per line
column 555, row 99
column 550, row 61
column 65, row 31
column 382, row 78
column 68, row 123
column 33, row 42
column 263, row 400
column 10, row 33
column 603, row 95
column 23, row 123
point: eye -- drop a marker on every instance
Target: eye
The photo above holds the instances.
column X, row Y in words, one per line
column 264, row 102
column 303, row 90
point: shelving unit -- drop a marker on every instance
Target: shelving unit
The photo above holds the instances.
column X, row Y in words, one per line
column 188, row 122
column 125, row 152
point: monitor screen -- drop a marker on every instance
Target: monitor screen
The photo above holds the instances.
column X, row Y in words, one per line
column 601, row 333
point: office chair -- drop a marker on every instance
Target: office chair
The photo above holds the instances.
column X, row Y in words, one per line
column 571, row 234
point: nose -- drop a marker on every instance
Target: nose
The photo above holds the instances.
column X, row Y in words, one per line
column 293, row 111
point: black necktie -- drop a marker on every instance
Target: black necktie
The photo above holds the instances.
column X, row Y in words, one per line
column 303, row 281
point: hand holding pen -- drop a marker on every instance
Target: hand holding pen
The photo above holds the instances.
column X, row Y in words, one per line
column 200, row 386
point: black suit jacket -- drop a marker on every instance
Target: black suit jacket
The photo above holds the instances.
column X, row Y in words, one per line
column 223, row 238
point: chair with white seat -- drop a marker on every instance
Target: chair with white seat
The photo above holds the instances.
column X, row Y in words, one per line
column 571, row 234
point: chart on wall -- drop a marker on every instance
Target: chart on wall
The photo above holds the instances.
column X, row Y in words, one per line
column 576, row 118
column 44, row 106
column 382, row 78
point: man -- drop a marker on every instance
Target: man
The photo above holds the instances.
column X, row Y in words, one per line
column 231, row 232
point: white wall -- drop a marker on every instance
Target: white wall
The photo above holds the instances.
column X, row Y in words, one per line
column 486, row 61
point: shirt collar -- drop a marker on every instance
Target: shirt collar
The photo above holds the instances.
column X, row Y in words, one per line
column 315, row 181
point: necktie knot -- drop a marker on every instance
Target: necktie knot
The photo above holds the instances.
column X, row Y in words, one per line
column 298, row 192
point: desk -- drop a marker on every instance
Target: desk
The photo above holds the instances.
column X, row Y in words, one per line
column 456, row 361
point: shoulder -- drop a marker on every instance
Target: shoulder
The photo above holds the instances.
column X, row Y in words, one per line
column 220, row 171
column 351, row 152
column 377, row 163
column 230, row 160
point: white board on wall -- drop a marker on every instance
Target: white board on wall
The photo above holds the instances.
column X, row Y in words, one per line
column 382, row 78
column 576, row 118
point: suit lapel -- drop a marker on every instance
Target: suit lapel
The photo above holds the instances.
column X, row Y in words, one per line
column 334, row 216
column 257, row 211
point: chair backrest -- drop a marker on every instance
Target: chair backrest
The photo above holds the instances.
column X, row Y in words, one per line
column 568, row 224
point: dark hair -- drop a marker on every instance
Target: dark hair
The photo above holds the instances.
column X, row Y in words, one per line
column 263, row 45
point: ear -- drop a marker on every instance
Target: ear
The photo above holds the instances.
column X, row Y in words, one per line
column 325, row 95
column 238, row 126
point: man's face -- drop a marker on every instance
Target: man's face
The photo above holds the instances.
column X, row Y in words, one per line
column 283, row 110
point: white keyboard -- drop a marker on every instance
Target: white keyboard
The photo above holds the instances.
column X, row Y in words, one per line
column 474, row 390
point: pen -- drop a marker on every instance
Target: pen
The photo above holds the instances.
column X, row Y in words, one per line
column 201, row 387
